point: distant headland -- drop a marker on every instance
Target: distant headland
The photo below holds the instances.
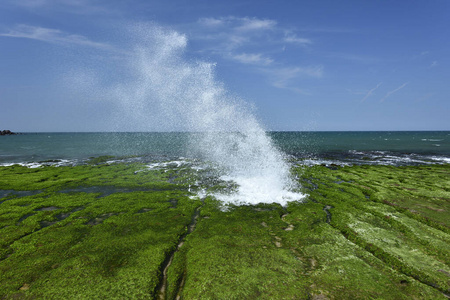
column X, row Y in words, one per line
column 7, row 132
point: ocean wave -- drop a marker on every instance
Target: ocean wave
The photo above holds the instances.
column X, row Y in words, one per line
column 357, row 157
column 432, row 140
column 39, row 164
column 344, row 158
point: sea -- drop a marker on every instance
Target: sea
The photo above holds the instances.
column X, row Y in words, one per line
column 397, row 148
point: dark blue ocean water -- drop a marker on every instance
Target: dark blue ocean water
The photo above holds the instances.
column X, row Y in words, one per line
column 395, row 148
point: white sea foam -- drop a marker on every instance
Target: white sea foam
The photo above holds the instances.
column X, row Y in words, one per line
column 166, row 164
column 258, row 189
column 325, row 162
column 445, row 160
column 33, row 165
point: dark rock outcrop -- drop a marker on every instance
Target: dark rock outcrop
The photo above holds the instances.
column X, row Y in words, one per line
column 7, row 132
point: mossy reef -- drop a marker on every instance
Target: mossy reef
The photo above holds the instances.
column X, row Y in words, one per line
column 124, row 231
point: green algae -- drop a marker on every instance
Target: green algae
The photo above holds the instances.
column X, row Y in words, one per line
column 234, row 255
column 81, row 245
column 109, row 231
column 366, row 213
column 57, row 178
column 75, row 256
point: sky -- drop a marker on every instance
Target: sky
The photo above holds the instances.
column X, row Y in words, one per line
column 320, row 65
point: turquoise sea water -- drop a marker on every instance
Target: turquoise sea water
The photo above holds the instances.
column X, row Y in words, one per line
column 396, row 148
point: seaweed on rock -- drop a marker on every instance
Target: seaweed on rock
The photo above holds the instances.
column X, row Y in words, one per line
column 362, row 232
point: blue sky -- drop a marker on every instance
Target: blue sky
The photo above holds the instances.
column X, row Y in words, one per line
column 303, row 65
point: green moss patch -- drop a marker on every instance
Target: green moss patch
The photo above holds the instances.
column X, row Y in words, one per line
column 109, row 231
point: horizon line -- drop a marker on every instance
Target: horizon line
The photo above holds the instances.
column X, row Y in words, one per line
column 268, row 131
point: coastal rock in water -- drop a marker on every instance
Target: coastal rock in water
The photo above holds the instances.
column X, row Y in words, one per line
column 7, row 132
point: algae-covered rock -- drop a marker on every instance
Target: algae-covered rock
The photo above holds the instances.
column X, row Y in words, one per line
column 119, row 231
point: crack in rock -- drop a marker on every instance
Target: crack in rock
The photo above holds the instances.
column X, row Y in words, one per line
column 166, row 264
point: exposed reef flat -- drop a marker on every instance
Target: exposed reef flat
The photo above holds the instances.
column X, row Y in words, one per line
column 125, row 231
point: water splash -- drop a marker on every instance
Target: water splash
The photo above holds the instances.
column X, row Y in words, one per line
column 185, row 95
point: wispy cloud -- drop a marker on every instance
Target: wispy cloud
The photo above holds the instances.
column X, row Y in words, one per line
column 433, row 64
column 369, row 93
column 294, row 39
column 253, row 58
column 72, row 6
column 313, row 71
column 233, row 32
column 255, row 24
column 211, row 22
column 239, row 23
column 257, row 43
column 284, row 78
column 388, row 94
column 52, row 36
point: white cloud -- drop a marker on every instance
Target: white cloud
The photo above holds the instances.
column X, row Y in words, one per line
column 52, row 36
column 369, row 93
column 232, row 32
column 235, row 41
column 433, row 64
column 259, row 44
column 211, row 22
column 313, row 71
column 253, row 58
column 292, row 38
column 255, row 24
column 388, row 94
column 238, row 24
column 288, row 73
column 283, row 77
